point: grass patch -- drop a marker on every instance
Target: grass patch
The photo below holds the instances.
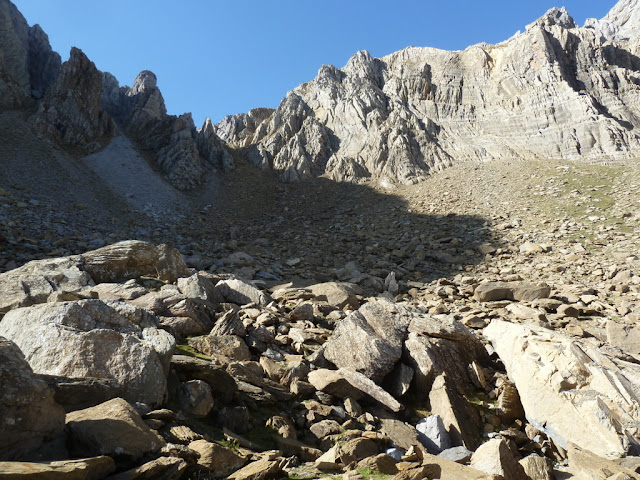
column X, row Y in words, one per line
column 183, row 348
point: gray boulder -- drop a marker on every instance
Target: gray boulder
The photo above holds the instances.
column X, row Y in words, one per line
column 30, row 415
column 89, row 338
column 378, row 329
column 433, row 434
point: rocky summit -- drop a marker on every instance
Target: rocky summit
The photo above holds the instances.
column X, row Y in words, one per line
column 170, row 311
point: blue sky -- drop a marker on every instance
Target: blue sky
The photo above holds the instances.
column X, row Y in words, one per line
column 214, row 58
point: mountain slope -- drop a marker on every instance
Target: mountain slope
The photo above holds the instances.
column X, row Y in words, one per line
column 555, row 91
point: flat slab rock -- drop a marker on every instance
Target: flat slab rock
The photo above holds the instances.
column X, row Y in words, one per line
column 348, row 383
column 518, row 291
column 569, row 389
column 84, row 469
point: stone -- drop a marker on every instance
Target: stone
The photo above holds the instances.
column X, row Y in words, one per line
column 587, row 464
column 442, row 345
column 382, row 463
column 325, row 428
column 518, row 291
column 509, row 404
column 83, row 469
column 569, row 389
column 337, row 294
column 433, row 434
column 35, row 281
column 441, row 468
column 133, row 259
column 195, row 398
column 223, row 386
column 240, row 292
column 356, row 450
column 112, row 428
column 79, row 393
column 400, row 433
column 379, row 328
column 212, row 148
column 30, row 415
column 460, row 418
column 625, row 337
column 460, row 455
column 263, row 469
column 348, row 383
column 220, row 460
column 163, row 468
column 537, row 468
column 70, row 112
column 494, row 457
column 230, row 346
column 89, row 338
column 199, row 287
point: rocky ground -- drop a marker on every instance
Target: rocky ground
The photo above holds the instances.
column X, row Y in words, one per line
column 494, row 309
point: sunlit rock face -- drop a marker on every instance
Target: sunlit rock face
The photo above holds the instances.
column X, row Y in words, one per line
column 554, row 91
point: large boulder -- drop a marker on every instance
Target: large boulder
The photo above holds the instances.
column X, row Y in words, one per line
column 84, row 469
column 89, row 338
column 29, row 413
column 35, row 281
column 570, row 389
column 338, row 294
column 132, row 259
column 378, row 329
column 240, row 292
column 442, row 344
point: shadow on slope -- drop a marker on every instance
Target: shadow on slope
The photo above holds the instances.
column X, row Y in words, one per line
column 323, row 230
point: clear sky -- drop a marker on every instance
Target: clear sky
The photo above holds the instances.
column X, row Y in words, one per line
column 215, row 58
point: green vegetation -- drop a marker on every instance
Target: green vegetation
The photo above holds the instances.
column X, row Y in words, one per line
column 184, row 349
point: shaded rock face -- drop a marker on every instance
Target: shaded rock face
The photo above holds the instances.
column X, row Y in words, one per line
column 30, row 414
column 555, row 91
column 70, row 112
column 28, row 66
column 89, row 338
column 184, row 154
column 569, row 389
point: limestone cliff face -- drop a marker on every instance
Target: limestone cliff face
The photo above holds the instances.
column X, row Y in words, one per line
column 555, row 91
column 28, row 66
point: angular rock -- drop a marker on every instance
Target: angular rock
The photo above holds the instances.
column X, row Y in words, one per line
column 509, row 404
column 79, row 393
column 230, row 346
column 30, row 415
column 460, row 418
column 240, row 292
column 442, row 345
column 400, row 433
column 494, row 457
column 220, row 460
column 112, row 428
column 569, row 389
column 163, row 468
column 70, row 112
column 340, row 295
column 587, row 464
column 222, row 384
column 625, row 337
column 356, row 450
column 518, row 291
column 133, row 259
column 441, row 468
column 460, row 455
column 382, row 463
column 84, row 469
column 89, row 338
column 195, row 398
column 35, row 281
column 537, row 468
column 259, row 470
column 348, row 383
column 433, row 434
column 379, row 329
column 212, row 148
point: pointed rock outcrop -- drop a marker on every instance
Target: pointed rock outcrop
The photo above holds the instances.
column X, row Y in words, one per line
column 70, row 112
